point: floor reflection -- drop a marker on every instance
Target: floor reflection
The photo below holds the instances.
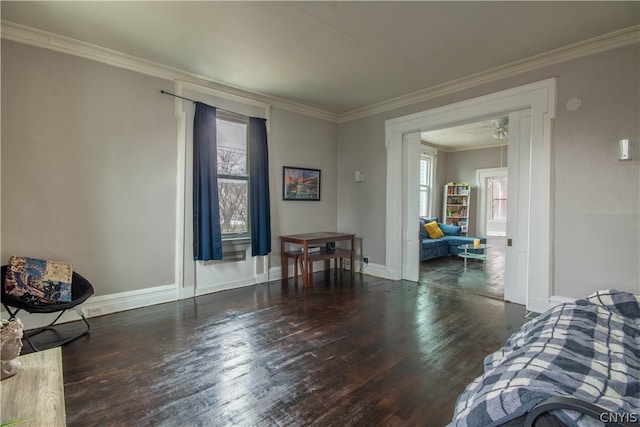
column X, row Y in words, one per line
column 448, row 272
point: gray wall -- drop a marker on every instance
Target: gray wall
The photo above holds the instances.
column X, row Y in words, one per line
column 298, row 140
column 88, row 168
column 361, row 205
column 595, row 198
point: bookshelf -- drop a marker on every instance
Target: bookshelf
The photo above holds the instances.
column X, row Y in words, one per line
column 457, row 205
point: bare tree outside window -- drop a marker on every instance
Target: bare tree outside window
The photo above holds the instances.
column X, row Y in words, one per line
column 499, row 196
column 232, row 176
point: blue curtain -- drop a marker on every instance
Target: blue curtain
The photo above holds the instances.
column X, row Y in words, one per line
column 259, row 188
column 207, row 236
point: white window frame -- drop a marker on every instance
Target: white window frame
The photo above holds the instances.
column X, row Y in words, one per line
column 429, row 153
column 237, row 118
column 211, row 276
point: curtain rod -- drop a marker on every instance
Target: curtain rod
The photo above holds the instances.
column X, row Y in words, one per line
column 164, row 92
column 177, row 96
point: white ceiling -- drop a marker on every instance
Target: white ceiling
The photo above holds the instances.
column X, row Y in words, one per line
column 336, row 57
column 464, row 137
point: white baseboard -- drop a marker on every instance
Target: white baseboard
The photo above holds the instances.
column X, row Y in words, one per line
column 540, row 306
column 275, row 273
column 104, row 304
column 555, row 300
column 263, row 278
column 376, row 270
column 224, row 286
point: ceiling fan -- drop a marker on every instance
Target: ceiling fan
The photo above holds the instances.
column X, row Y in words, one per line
column 502, row 128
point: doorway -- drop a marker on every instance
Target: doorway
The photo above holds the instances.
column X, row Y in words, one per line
column 530, row 282
column 462, row 150
column 493, row 195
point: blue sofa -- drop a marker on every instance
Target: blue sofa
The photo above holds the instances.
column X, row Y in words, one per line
column 442, row 246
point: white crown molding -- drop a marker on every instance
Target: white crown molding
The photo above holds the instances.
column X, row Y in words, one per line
column 614, row 40
column 34, row 37
column 466, row 147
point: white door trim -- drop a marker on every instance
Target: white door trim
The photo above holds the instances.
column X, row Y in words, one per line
column 411, row 166
column 540, row 97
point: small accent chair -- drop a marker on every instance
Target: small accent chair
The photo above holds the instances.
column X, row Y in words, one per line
column 81, row 290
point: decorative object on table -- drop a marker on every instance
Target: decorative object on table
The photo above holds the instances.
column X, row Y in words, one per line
column 11, row 345
column 300, row 183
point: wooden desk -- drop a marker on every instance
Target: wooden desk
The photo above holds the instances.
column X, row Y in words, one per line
column 302, row 256
column 36, row 392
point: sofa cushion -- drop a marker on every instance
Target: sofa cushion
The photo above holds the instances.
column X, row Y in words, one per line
column 433, row 230
column 423, row 231
column 450, row 230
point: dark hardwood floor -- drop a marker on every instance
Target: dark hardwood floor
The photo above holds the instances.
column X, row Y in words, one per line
column 372, row 352
column 488, row 280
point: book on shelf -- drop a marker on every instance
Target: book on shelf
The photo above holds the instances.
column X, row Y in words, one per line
column 312, row 249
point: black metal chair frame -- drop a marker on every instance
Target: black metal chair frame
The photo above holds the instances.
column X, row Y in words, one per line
column 81, row 290
column 568, row 403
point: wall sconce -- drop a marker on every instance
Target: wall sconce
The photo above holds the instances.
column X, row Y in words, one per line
column 357, row 176
column 624, row 149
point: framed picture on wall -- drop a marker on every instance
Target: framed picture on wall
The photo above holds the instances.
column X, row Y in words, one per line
column 300, row 183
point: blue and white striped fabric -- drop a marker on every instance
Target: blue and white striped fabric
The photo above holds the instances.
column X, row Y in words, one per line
column 588, row 350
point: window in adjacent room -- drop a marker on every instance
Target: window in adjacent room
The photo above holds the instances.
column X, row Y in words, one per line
column 233, row 174
column 498, row 190
column 427, row 160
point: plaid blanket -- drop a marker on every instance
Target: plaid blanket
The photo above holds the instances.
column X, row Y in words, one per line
column 588, row 350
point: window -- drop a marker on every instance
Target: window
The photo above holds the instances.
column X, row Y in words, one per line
column 426, row 183
column 498, row 191
column 233, row 174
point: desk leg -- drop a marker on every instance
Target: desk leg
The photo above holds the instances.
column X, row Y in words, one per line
column 284, row 262
column 351, row 255
column 304, row 266
column 310, row 273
